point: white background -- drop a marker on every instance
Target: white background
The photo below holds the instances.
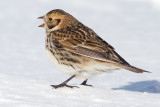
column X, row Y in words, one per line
column 132, row 27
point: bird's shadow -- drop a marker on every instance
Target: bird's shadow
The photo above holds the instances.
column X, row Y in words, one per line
column 151, row 86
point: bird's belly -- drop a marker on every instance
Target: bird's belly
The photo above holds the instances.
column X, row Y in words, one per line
column 95, row 67
column 84, row 69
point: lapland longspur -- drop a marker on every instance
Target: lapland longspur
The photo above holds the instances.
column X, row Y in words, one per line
column 77, row 50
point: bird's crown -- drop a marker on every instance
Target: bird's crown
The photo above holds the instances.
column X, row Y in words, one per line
column 57, row 11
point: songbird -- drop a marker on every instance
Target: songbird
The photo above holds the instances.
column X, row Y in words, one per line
column 77, row 50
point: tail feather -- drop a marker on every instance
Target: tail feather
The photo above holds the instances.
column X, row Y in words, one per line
column 129, row 67
column 134, row 69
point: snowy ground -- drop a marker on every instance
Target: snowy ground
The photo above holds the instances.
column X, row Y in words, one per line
column 131, row 26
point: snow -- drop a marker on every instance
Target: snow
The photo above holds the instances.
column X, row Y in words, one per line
column 131, row 26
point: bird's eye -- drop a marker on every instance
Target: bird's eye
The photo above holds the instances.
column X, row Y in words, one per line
column 50, row 19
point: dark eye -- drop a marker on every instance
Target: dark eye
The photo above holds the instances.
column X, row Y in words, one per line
column 50, row 19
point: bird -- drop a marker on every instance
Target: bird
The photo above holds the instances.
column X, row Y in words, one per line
column 77, row 50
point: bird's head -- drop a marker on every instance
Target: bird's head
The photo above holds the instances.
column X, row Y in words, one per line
column 56, row 19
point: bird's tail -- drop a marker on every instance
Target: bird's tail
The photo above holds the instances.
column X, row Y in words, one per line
column 130, row 68
column 134, row 69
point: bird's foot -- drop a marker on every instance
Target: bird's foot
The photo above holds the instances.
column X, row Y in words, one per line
column 83, row 83
column 63, row 85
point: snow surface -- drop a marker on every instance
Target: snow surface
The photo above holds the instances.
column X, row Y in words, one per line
column 131, row 26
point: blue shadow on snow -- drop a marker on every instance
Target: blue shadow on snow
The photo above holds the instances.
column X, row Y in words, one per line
column 151, row 86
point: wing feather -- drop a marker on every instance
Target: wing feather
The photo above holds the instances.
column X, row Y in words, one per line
column 86, row 42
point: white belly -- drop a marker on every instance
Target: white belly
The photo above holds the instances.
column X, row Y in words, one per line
column 84, row 73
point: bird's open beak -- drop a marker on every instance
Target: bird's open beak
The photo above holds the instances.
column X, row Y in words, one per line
column 42, row 17
column 42, row 25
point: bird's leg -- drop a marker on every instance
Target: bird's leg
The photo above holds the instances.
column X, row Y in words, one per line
column 64, row 83
column 84, row 83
